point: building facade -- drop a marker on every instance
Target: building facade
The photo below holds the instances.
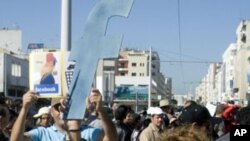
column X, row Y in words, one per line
column 127, row 79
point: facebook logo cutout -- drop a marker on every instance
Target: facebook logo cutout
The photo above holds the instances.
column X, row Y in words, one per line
column 93, row 46
column 241, row 132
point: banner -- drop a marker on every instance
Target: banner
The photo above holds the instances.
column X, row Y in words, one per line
column 45, row 73
column 35, row 46
column 131, row 92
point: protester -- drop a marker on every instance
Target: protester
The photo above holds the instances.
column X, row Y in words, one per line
column 229, row 115
column 114, row 106
column 12, row 119
column 154, row 130
column 169, row 115
column 137, row 126
column 29, row 122
column 43, row 117
column 63, row 129
column 243, row 116
column 4, row 119
column 217, row 122
column 123, row 115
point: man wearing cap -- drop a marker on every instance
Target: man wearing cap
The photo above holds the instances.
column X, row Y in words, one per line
column 153, row 132
column 168, row 110
column 63, row 130
column 43, row 117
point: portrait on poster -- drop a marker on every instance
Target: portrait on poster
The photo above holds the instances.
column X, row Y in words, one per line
column 45, row 73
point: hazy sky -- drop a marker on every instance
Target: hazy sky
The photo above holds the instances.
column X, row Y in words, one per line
column 204, row 30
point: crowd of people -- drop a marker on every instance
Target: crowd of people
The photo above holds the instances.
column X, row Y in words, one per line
column 193, row 122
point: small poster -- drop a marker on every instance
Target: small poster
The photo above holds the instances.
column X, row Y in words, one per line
column 45, row 73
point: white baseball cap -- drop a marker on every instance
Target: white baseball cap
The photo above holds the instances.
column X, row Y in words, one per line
column 43, row 110
column 154, row 111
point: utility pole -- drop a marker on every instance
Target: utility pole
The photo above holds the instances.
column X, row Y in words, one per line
column 66, row 25
column 150, row 77
column 136, row 97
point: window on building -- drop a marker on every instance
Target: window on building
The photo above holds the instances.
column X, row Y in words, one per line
column 243, row 38
column 19, row 70
column 16, row 70
column 133, row 74
column 232, row 62
column 122, row 65
column 133, row 64
column 244, row 27
column 153, row 73
column 143, row 85
column 108, row 68
column 141, row 74
column 141, row 64
column 122, row 74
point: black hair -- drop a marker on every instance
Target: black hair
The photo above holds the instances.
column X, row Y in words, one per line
column 195, row 113
column 121, row 112
column 243, row 116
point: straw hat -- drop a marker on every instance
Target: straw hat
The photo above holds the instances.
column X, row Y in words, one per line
column 164, row 102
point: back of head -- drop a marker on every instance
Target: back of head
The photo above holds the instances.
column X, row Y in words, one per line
column 195, row 113
column 220, row 109
column 183, row 133
column 243, row 116
column 121, row 112
column 189, row 102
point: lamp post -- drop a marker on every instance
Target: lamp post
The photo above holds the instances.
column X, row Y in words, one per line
column 66, row 25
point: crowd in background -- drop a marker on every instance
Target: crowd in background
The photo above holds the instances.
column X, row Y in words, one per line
column 120, row 122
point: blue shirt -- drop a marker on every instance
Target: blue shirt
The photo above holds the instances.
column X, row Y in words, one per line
column 53, row 134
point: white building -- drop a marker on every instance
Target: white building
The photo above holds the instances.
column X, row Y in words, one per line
column 242, row 63
column 229, row 81
column 14, row 64
column 181, row 99
column 131, row 69
column 11, row 39
column 228, row 59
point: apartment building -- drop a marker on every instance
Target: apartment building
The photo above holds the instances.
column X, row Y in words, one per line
column 242, row 62
column 231, row 79
column 124, row 78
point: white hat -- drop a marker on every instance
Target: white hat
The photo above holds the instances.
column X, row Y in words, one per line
column 43, row 110
column 164, row 102
column 150, row 110
column 154, row 111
